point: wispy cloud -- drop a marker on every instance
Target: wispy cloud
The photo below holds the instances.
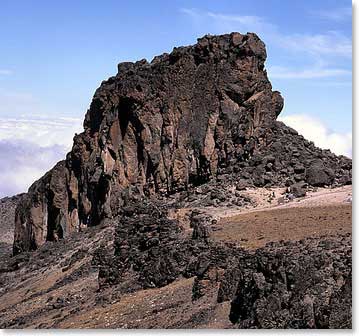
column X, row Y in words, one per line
column 5, row 72
column 332, row 83
column 242, row 19
column 188, row 11
column 315, row 72
column 229, row 22
column 322, row 50
column 330, row 43
column 315, row 130
column 335, row 14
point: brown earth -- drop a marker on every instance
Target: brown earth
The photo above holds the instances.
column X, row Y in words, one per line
column 255, row 229
column 166, row 307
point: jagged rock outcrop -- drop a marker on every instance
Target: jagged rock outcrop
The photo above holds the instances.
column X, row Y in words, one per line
column 305, row 284
column 163, row 126
column 150, row 248
column 287, row 284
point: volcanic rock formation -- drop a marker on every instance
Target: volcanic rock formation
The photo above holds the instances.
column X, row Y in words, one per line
column 292, row 284
column 161, row 127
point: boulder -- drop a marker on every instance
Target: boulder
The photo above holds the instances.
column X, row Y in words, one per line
column 298, row 189
column 318, row 175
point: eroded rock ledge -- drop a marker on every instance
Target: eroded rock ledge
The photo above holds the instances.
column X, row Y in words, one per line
column 199, row 112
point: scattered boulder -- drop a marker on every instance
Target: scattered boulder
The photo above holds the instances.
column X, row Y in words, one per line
column 318, row 175
column 298, row 189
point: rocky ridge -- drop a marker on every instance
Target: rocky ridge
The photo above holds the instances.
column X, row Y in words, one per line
column 200, row 113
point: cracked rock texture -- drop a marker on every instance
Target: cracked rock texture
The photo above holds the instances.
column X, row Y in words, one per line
column 161, row 127
column 305, row 284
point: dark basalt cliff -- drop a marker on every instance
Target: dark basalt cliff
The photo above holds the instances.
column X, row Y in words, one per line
column 162, row 127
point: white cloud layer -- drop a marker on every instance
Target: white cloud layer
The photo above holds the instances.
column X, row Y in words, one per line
column 29, row 147
column 315, row 130
column 22, row 163
column 41, row 131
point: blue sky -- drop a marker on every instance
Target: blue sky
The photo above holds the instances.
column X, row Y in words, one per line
column 54, row 54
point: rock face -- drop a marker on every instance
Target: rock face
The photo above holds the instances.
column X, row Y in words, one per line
column 161, row 127
column 7, row 216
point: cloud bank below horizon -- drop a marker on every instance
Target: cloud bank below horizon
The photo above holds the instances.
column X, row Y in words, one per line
column 29, row 147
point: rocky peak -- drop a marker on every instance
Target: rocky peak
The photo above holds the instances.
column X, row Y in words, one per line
column 164, row 126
